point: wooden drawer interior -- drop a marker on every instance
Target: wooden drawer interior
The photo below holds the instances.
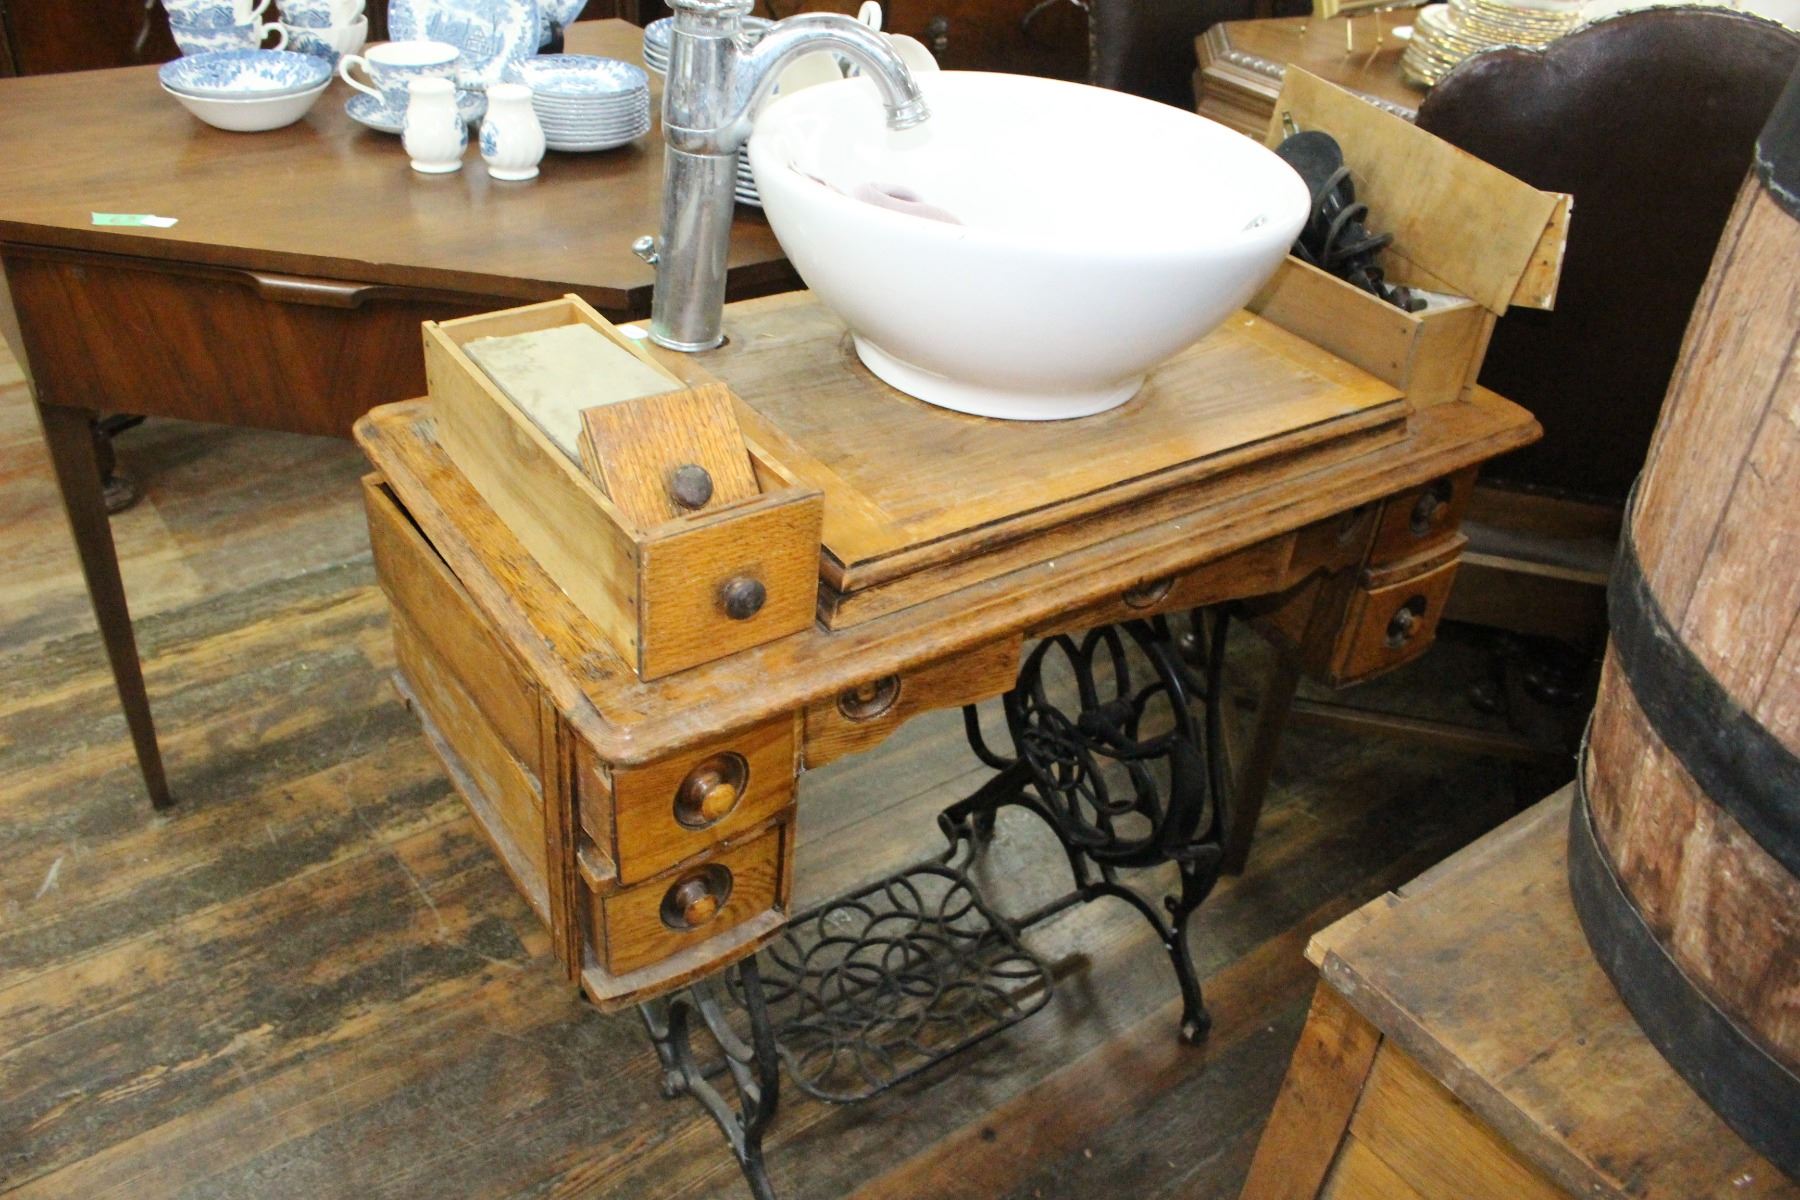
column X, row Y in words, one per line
column 637, row 926
column 646, row 819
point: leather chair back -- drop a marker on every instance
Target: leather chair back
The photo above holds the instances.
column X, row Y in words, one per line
column 1648, row 119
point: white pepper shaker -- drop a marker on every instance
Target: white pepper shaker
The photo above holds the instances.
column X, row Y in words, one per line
column 434, row 134
column 512, row 141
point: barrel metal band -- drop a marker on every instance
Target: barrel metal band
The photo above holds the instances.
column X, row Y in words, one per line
column 1734, row 759
column 1753, row 1092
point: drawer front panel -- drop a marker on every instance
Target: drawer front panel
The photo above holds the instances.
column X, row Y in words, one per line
column 659, row 815
column 180, row 340
column 863, row 717
column 1390, row 625
column 421, row 587
column 638, row 926
column 1415, row 519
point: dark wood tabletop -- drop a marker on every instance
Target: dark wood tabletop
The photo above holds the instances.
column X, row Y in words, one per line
column 289, row 293
column 328, row 198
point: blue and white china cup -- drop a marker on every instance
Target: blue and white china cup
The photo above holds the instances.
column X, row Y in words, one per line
column 249, row 35
column 213, row 14
column 330, row 43
column 391, row 66
column 320, row 14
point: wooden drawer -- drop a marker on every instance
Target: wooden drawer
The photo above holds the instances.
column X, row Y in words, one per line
column 421, row 588
column 479, row 712
column 862, row 717
column 1392, row 624
column 635, row 927
column 646, row 819
column 1419, row 518
column 170, row 339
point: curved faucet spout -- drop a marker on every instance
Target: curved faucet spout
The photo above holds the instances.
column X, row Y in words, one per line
column 715, row 82
column 815, row 32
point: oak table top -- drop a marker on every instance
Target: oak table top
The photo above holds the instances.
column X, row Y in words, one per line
column 628, row 720
column 327, row 198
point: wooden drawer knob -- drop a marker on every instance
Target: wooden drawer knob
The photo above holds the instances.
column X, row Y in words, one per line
column 867, row 701
column 695, row 899
column 1149, row 593
column 691, row 487
column 711, row 790
column 1406, row 621
column 742, row 598
column 1429, row 510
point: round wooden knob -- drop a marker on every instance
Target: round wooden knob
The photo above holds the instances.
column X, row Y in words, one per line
column 742, row 598
column 697, row 904
column 691, row 486
column 696, row 899
column 1405, row 623
column 711, row 790
column 1431, row 507
column 867, row 701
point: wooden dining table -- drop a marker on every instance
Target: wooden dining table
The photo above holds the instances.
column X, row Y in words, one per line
column 289, row 291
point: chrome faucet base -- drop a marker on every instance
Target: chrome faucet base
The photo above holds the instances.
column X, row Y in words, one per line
column 715, row 82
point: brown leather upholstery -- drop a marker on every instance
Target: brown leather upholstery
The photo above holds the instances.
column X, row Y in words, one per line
column 1146, row 47
column 1648, row 120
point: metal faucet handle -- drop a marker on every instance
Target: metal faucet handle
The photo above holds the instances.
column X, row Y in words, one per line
column 645, row 248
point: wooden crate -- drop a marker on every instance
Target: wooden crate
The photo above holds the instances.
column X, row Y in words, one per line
column 1432, row 356
column 1462, row 230
column 656, row 591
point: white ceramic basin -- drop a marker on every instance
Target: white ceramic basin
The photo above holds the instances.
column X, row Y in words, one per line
column 1099, row 234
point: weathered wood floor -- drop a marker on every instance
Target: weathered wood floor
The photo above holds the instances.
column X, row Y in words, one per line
column 311, row 980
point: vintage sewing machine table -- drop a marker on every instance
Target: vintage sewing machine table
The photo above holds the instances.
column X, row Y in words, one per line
column 650, row 821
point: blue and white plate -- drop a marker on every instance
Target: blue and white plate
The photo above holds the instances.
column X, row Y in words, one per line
column 244, row 74
column 577, row 76
column 492, row 34
column 371, row 112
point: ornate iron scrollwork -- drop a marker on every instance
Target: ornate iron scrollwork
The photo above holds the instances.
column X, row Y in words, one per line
column 1130, row 776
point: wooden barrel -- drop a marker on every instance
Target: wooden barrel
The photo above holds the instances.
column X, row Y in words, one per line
column 1685, row 842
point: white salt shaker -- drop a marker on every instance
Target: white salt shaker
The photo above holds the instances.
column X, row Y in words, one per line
column 434, row 134
column 512, row 141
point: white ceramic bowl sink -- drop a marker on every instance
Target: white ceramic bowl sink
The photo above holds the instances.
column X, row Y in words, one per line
column 1100, row 234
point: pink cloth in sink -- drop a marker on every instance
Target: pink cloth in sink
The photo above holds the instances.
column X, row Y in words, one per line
column 902, row 200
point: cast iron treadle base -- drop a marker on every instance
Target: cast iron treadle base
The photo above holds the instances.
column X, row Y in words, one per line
column 877, row 986
column 874, row 987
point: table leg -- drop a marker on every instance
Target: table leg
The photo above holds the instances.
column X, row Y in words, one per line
column 69, row 433
column 1244, row 797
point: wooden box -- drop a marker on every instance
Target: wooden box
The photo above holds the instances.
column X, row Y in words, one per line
column 1469, row 234
column 657, row 592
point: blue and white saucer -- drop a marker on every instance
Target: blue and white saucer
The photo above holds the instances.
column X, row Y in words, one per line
column 578, row 75
column 244, row 74
column 369, row 111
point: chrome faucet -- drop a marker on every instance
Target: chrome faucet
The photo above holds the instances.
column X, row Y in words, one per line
column 716, row 80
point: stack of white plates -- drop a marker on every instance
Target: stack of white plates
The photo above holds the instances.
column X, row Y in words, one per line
column 656, row 45
column 656, row 39
column 585, row 102
column 746, row 182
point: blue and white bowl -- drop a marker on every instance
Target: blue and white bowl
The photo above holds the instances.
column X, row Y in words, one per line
column 244, row 74
column 250, row 114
